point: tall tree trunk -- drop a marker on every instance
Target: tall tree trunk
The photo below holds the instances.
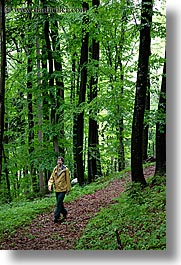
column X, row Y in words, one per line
column 141, row 84
column 82, row 94
column 59, row 111
column 46, row 105
column 30, row 106
column 74, row 92
column 40, row 116
column 2, row 77
column 146, row 127
column 121, row 156
column 51, row 80
column 6, row 158
column 161, row 128
column 94, row 165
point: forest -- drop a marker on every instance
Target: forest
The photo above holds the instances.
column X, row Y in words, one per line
column 82, row 79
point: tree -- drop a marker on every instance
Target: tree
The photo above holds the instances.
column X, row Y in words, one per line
column 2, row 77
column 70, row 89
column 30, row 104
column 59, row 97
column 82, row 94
column 146, row 124
column 121, row 153
column 141, row 88
column 94, row 165
column 40, row 114
column 161, row 128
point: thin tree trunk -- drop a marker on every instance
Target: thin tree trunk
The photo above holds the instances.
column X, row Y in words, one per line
column 30, row 108
column 40, row 117
column 74, row 92
column 50, row 79
column 6, row 158
column 82, row 94
column 146, row 127
column 59, row 114
column 93, row 150
column 139, row 107
column 2, row 77
column 161, row 129
column 46, row 105
column 121, row 156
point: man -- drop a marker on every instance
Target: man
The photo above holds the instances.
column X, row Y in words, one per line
column 60, row 178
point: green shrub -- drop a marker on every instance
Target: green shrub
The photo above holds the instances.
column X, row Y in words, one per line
column 139, row 216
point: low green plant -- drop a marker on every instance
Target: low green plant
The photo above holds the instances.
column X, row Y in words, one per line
column 19, row 213
column 139, row 216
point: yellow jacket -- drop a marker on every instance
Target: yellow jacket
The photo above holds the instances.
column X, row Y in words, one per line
column 60, row 177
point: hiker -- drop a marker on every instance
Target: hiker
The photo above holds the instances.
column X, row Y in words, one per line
column 60, row 178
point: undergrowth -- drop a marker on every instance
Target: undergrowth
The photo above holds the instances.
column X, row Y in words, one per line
column 138, row 216
column 19, row 213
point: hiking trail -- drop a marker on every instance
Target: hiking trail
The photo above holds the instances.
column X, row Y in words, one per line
column 43, row 234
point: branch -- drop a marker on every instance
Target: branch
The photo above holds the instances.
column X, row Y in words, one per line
column 120, row 247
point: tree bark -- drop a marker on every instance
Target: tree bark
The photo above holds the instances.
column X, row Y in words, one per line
column 146, row 127
column 74, row 92
column 46, row 105
column 141, row 84
column 120, row 129
column 30, row 108
column 82, row 94
column 50, row 78
column 94, row 165
column 40, row 117
column 59, row 101
column 161, row 129
column 2, row 77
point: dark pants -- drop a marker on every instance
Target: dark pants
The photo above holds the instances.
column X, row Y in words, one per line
column 60, row 207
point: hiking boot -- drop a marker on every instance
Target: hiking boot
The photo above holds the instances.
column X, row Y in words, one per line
column 56, row 221
column 64, row 215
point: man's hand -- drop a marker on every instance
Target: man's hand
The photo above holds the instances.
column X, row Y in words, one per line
column 50, row 188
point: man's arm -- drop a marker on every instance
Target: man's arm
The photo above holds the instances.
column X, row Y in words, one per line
column 68, row 181
column 51, row 181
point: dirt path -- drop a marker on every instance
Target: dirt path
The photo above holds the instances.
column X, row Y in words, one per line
column 43, row 234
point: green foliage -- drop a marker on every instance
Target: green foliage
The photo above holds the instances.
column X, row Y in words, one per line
column 139, row 216
column 115, row 26
column 19, row 213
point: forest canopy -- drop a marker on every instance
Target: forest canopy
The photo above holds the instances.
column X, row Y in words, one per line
column 70, row 74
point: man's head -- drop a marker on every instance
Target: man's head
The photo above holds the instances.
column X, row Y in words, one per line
column 60, row 160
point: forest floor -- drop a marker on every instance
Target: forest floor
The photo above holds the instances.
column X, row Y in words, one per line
column 44, row 234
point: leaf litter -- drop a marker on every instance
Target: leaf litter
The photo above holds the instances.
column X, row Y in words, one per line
column 43, row 234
